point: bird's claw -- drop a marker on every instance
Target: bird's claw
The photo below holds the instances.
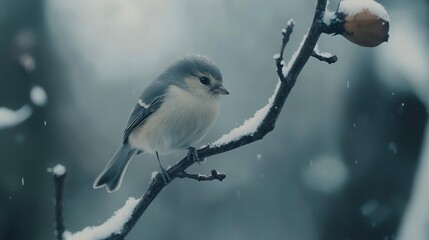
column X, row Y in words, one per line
column 193, row 155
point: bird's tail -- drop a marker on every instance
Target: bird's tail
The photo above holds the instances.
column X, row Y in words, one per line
column 112, row 175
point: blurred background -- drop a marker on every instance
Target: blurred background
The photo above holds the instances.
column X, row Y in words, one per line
column 349, row 158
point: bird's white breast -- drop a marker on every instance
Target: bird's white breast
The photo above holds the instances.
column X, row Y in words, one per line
column 182, row 120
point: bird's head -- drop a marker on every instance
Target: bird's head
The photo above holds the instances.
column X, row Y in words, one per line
column 200, row 76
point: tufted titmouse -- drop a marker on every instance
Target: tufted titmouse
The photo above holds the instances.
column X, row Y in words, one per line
column 174, row 112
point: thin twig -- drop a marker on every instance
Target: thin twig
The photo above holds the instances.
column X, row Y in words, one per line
column 329, row 59
column 200, row 177
column 286, row 36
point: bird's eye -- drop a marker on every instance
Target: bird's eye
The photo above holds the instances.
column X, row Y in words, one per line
column 204, row 80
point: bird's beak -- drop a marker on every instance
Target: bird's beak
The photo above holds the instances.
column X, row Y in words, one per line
column 220, row 89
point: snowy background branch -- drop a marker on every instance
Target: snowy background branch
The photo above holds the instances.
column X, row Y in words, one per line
column 59, row 175
column 37, row 95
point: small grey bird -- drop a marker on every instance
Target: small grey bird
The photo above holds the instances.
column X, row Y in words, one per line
column 174, row 112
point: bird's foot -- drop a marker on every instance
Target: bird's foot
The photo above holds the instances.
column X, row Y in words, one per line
column 165, row 177
column 163, row 173
column 193, row 155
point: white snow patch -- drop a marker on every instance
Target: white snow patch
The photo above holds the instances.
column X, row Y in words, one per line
column 276, row 56
column 22, row 181
column 57, row 170
column 289, row 23
column 328, row 17
column 250, row 125
column 323, row 54
column 38, row 96
column 353, row 7
column 153, row 174
column 113, row 225
column 326, row 174
column 10, row 118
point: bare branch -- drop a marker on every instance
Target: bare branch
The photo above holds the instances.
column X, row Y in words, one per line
column 199, row 177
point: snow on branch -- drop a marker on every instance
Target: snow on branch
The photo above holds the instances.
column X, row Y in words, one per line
column 10, row 118
column 253, row 129
column 250, row 126
column 113, row 225
column 324, row 56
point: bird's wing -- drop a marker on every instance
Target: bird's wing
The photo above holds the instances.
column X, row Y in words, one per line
column 150, row 101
